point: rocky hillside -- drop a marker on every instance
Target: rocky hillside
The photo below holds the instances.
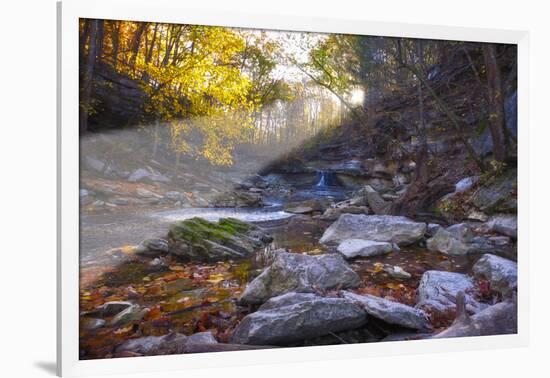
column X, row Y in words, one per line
column 389, row 158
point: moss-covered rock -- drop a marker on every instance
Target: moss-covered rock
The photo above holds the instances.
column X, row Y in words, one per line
column 200, row 240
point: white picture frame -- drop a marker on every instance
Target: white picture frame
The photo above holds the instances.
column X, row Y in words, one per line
column 172, row 11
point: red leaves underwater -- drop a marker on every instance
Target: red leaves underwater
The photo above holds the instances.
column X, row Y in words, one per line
column 184, row 298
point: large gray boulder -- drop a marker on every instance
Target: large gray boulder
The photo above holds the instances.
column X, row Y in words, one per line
column 172, row 343
column 459, row 240
column 292, row 272
column 501, row 273
column 506, row 224
column 375, row 201
column 497, row 195
column 351, row 248
column 448, row 243
column 499, row 319
column 382, row 228
column 437, row 292
column 390, row 312
column 154, row 345
column 293, row 317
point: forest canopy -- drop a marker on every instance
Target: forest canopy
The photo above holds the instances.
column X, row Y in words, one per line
column 203, row 91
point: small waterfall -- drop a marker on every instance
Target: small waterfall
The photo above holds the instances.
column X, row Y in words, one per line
column 325, row 179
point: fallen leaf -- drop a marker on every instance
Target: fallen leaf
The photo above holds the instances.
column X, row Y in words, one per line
column 215, row 278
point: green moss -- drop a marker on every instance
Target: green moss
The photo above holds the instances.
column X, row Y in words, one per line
column 196, row 230
column 199, row 239
column 234, row 226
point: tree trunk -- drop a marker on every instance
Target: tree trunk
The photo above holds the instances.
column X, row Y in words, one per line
column 149, row 52
column 115, row 35
column 88, row 77
column 496, row 102
column 422, row 171
column 136, row 41
column 83, row 38
column 100, row 34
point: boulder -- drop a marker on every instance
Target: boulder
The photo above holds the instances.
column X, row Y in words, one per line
column 291, row 272
column 201, row 338
column 459, row 240
column 375, row 201
column 131, row 314
column 197, row 239
column 351, row 248
column 461, row 231
column 499, row 319
column 498, row 194
column 447, row 243
column 109, row 309
column 303, row 207
column 506, row 224
column 437, row 292
column 295, row 317
column 382, row 228
column 432, row 229
column 390, row 312
column 176, row 343
column 333, row 213
column 501, row 273
column 237, row 199
column 152, row 247
column 154, row 345
column 147, row 175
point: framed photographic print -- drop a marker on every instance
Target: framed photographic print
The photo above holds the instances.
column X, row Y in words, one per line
column 264, row 188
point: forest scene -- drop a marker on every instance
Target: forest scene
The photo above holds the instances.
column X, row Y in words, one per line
column 250, row 189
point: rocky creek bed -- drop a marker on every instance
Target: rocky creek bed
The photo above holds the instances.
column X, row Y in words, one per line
column 284, row 287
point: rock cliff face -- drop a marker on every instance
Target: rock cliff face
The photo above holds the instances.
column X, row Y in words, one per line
column 119, row 100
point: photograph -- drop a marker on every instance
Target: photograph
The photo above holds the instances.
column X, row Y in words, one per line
column 245, row 189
